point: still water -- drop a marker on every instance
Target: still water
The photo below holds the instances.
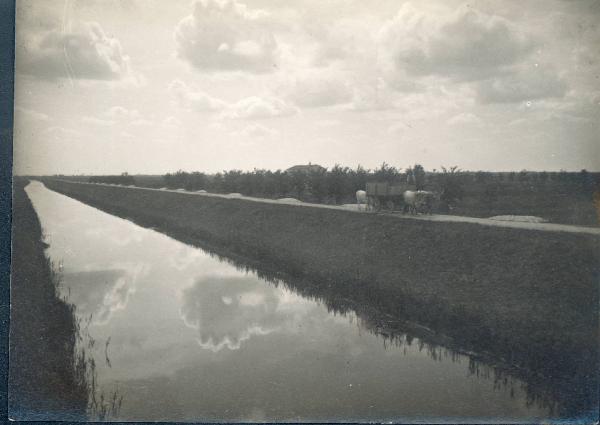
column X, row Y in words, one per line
column 185, row 336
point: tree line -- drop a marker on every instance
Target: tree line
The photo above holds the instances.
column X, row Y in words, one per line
column 123, row 179
column 339, row 183
column 336, row 185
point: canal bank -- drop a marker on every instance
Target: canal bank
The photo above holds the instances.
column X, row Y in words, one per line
column 530, row 298
column 47, row 379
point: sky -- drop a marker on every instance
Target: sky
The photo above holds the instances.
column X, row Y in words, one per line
column 154, row 86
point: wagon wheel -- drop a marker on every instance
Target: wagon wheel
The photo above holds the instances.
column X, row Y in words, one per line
column 390, row 205
column 370, row 203
column 376, row 204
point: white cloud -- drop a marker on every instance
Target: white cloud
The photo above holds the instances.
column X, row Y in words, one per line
column 117, row 115
column 366, row 98
column 256, row 131
column 398, row 128
column 570, row 109
column 526, row 85
column 30, row 114
column 141, row 122
column 342, row 40
column 196, row 100
column 122, row 113
column 325, row 123
column 318, row 88
column 256, row 107
column 172, row 122
column 464, row 45
column 465, row 118
column 97, row 121
column 253, row 107
column 57, row 133
column 86, row 53
column 226, row 36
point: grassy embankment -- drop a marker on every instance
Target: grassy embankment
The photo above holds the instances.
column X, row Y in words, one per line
column 47, row 377
column 530, row 298
column 558, row 199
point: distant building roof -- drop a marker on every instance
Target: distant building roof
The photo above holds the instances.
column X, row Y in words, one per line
column 305, row 168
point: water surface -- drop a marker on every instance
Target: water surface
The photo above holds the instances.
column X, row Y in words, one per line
column 185, row 336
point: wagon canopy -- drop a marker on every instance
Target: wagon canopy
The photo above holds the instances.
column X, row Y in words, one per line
column 386, row 189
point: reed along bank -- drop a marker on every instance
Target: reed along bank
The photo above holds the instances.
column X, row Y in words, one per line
column 526, row 298
column 47, row 377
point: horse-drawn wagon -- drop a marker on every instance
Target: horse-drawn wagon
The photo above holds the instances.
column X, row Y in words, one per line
column 384, row 195
column 399, row 196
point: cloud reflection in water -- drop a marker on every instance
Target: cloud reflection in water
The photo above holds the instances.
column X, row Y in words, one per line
column 101, row 293
column 227, row 311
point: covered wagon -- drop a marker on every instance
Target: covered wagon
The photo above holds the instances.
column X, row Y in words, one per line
column 385, row 195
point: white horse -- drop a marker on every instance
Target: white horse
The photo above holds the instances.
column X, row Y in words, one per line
column 418, row 201
column 361, row 198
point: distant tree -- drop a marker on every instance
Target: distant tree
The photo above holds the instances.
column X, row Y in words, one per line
column 359, row 178
column 195, row 181
column 523, row 176
column 562, row 176
column 410, row 176
column 217, row 183
column 586, row 181
column 490, row 194
column 319, row 184
column 451, row 186
column 418, row 173
column 338, row 183
column 386, row 173
column 584, row 175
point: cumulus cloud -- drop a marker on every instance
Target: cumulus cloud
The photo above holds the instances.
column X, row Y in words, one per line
column 398, row 128
column 341, row 40
column 318, row 88
column 97, row 121
column 326, row 123
column 87, row 53
column 196, row 100
column 141, row 122
column 573, row 108
column 117, row 114
column 172, row 122
column 226, row 36
column 526, row 85
column 58, row 133
column 465, row 118
column 464, row 45
column 367, row 98
column 30, row 114
column 253, row 107
column 122, row 113
column 256, row 131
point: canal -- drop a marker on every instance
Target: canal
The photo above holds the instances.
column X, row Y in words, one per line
column 184, row 335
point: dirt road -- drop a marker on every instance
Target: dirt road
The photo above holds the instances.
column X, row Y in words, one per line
column 546, row 227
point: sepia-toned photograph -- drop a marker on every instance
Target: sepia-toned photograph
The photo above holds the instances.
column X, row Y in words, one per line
column 278, row 211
